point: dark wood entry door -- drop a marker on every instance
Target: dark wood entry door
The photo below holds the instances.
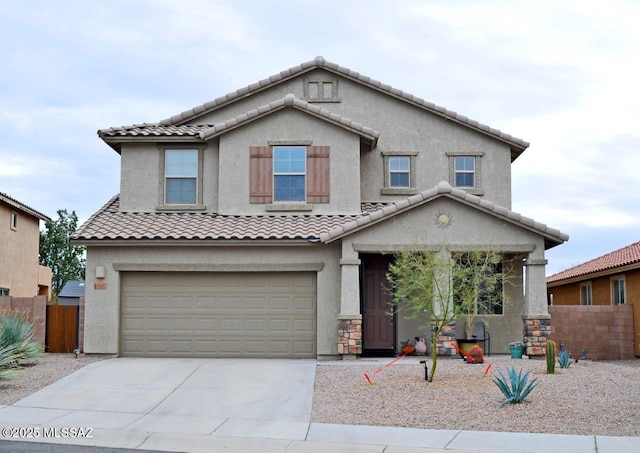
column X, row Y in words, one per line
column 378, row 322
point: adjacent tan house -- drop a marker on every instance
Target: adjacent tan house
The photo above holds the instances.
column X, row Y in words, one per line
column 260, row 224
column 20, row 273
column 607, row 284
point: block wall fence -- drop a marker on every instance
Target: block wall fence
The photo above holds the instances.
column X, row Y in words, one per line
column 605, row 331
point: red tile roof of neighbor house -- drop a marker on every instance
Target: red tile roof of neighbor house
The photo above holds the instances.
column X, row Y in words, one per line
column 622, row 257
column 517, row 145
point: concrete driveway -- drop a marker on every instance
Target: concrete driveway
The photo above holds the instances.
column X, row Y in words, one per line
column 220, row 397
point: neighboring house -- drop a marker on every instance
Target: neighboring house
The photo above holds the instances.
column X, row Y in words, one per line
column 608, row 280
column 71, row 293
column 20, row 273
column 260, row 224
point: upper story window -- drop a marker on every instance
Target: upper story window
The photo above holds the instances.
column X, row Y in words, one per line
column 399, row 173
column 464, row 171
column 289, row 173
column 464, row 168
column 586, row 294
column 14, row 220
column 4, row 291
column 289, row 176
column 617, row 286
column 321, row 88
column 181, row 176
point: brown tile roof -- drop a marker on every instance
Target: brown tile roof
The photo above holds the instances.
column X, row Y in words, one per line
column 290, row 101
column 553, row 237
column 22, row 207
column 112, row 224
column 109, row 223
column 622, row 257
column 154, row 130
column 517, row 145
column 207, row 131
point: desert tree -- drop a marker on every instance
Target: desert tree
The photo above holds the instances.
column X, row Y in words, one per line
column 441, row 286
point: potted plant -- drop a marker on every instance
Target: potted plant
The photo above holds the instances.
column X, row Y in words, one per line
column 516, row 349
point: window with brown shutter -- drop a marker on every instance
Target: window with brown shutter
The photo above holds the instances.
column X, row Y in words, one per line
column 262, row 173
column 318, row 174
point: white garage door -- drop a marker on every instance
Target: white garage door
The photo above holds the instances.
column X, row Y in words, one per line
column 198, row 314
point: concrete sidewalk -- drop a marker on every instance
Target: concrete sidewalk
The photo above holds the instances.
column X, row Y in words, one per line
column 252, row 405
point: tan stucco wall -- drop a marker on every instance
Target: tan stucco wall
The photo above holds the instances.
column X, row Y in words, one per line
column 290, row 126
column 403, row 127
column 102, row 313
column 19, row 269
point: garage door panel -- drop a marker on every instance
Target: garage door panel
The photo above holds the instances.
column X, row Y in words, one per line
column 218, row 315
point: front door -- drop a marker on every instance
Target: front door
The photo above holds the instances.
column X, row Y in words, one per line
column 378, row 323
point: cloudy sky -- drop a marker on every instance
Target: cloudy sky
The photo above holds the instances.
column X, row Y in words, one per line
column 562, row 75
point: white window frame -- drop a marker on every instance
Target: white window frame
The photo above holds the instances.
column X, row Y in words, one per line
column 14, row 220
column 586, row 294
column 457, row 172
column 276, row 173
column 401, row 172
column 162, row 189
column 387, row 189
column 477, row 178
column 616, row 284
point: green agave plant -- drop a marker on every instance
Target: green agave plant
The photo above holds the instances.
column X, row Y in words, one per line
column 516, row 387
column 564, row 359
column 16, row 342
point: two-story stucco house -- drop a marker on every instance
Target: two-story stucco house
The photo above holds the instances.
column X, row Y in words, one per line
column 260, row 223
column 20, row 273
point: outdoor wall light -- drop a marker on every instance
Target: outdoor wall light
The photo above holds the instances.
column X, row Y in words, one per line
column 426, row 370
column 100, row 272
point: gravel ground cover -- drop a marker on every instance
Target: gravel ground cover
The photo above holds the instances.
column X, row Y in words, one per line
column 591, row 398
column 38, row 373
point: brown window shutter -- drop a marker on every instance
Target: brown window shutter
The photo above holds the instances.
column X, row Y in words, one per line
column 318, row 174
column 260, row 174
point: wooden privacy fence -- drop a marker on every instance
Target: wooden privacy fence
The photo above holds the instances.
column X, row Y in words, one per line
column 62, row 328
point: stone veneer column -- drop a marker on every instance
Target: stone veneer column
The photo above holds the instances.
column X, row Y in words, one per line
column 536, row 333
column 349, row 337
column 445, row 339
column 350, row 318
column 536, row 318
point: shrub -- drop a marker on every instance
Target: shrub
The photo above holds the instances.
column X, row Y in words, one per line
column 516, row 387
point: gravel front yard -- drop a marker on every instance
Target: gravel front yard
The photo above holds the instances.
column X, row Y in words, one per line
column 587, row 398
column 39, row 373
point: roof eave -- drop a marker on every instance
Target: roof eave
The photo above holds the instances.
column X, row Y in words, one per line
column 23, row 207
column 95, row 242
column 596, row 274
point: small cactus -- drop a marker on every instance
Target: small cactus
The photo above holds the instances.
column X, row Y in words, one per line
column 475, row 354
column 550, row 352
